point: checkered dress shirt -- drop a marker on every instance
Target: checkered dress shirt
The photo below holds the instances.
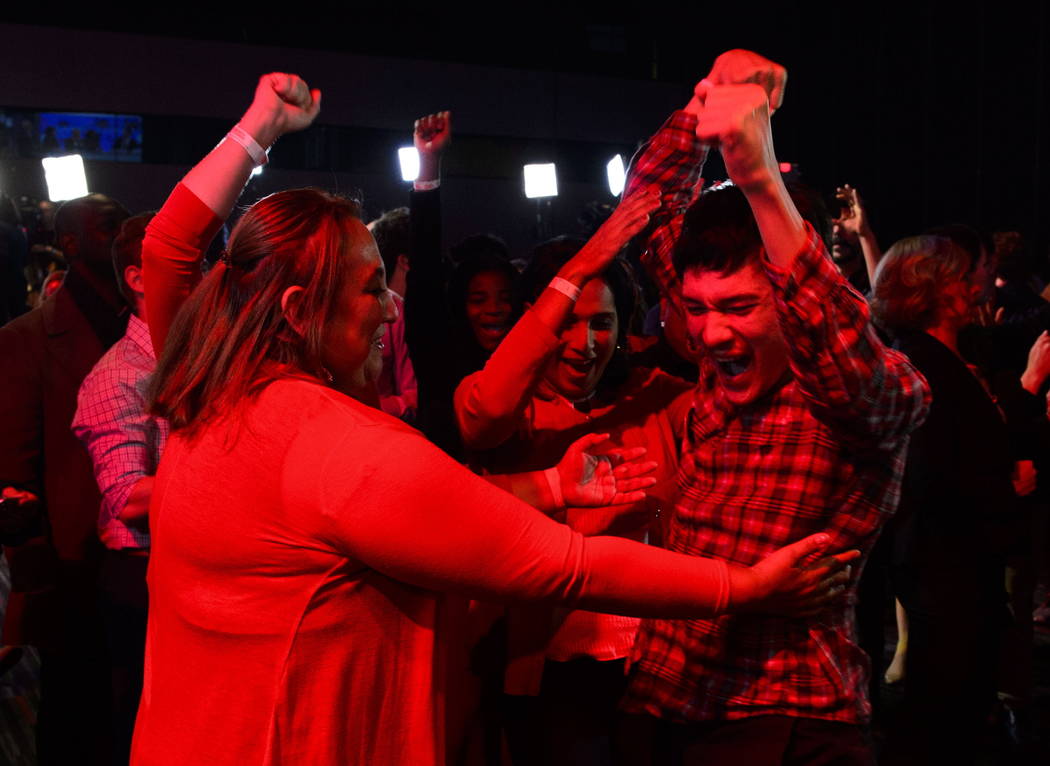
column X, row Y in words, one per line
column 822, row 452
column 125, row 443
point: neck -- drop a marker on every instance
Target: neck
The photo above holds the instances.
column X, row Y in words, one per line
column 946, row 334
column 103, row 287
column 397, row 283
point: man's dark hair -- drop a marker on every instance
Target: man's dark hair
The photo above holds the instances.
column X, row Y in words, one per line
column 393, row 234
column 127, row 249
column 720, row 234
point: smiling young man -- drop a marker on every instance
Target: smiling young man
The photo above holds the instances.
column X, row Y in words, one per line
column 799, row 423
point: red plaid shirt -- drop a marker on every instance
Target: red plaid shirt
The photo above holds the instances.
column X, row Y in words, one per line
column 822, row 453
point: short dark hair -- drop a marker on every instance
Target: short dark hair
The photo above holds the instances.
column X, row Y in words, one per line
column 127, row 249
column 393, row 234
column 719, row 232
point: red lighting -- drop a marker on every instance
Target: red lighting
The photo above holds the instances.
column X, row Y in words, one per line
column 786, row 167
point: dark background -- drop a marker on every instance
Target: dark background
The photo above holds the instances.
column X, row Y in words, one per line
column 935, row 111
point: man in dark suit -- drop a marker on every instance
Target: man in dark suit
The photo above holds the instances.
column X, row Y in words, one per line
column 50, row 511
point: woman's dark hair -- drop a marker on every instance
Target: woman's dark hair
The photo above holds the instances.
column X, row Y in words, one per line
column 231, row 334
column 547, row 260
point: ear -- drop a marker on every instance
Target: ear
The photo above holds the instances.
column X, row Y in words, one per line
column 402, row 263
column 289, row 300
column 67, row 243
column 133, row 279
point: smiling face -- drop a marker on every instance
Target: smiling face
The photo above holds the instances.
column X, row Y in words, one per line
column 353, row 338
column 588, row 340
column 732, row 319
column 489, row 308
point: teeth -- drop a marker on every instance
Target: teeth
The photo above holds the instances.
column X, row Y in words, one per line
column 734, row 367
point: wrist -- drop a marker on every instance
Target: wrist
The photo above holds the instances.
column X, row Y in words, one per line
column 261, row 127
column 762, row 182
column 744, row 588
column 429, row 167
column 555, row 493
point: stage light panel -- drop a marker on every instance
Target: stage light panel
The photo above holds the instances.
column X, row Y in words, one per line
column 65, row 177
column 408, row 156
column 541, row 180
column 616, row 174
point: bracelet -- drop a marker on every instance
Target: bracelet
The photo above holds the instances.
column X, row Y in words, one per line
column 241, row 136
column 566, row 288
column 554, row 481
column 426, row 185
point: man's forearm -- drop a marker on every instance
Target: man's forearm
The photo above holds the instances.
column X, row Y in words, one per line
column 782, row 229
column 136, row 510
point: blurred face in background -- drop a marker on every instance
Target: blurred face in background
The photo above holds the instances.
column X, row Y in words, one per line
column 489, row 307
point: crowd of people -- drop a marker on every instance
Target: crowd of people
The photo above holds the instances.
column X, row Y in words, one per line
column 340, row 497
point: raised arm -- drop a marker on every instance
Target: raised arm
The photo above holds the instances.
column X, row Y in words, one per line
column 854, row 225
column 490, row 403
column 426, row 326
column 673, row 159
column 872, row 396
column 179, row 234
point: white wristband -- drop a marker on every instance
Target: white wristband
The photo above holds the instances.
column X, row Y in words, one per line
column 566, row 288
column 426, row 185
column 241, row 136
column 554, row 480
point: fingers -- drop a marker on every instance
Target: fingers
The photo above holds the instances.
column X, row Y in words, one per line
column 808, row 549
column 631, row 470
column 776, row 92
column 619, row 456
column 633, row 485
column 632, row 214
column 432, row 125
column 640, row 204
column 584, row 443
column 701, row 90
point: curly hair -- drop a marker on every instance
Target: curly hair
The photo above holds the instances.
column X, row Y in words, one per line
column 910, row 280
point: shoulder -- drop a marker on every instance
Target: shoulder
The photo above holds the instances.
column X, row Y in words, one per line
column 320, row 410
column 21, row 328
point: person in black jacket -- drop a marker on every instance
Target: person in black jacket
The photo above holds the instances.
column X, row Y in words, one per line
column 951, row 531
